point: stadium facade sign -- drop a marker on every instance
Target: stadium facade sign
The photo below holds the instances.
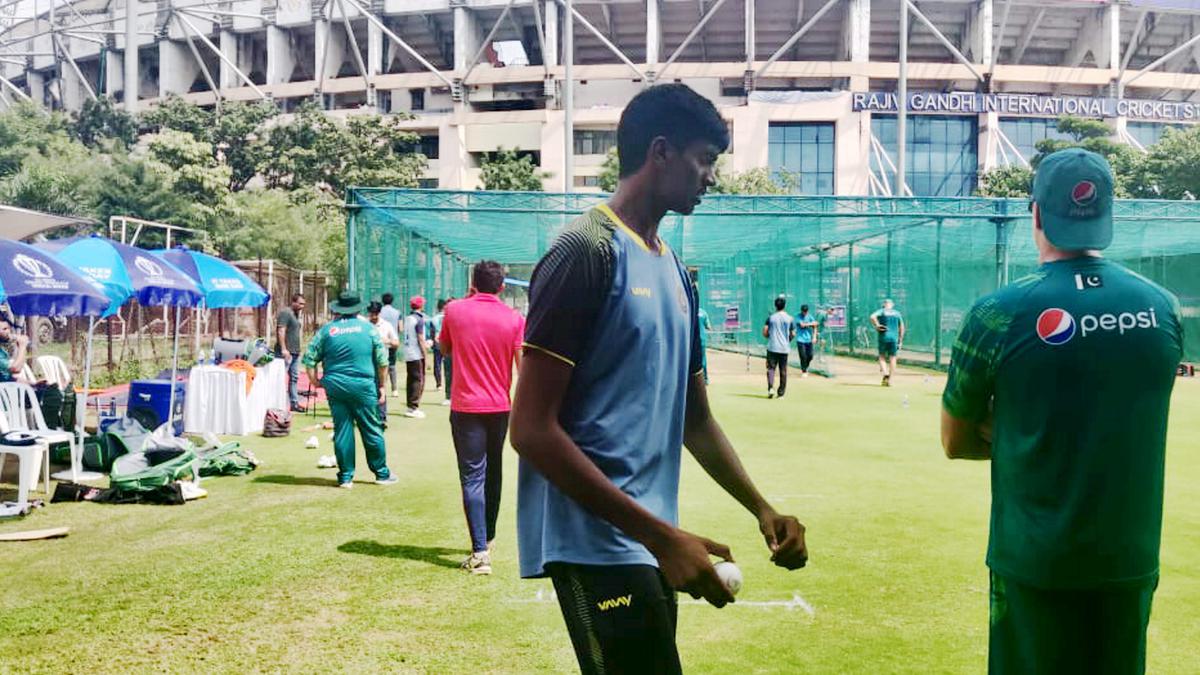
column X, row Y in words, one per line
column 972, row 103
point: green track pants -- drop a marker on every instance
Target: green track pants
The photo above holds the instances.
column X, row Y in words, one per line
column 351, row 406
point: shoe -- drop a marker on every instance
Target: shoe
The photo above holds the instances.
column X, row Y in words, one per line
column 478, row 563
column 346, row 486
column 390, row 480
column 804, row 375
column 299, row 409
column 437, row 387
column 395, row 394
column 887, row 381
column 780, row 394
column 446, row 403
column 416, row 414
column 770, row 393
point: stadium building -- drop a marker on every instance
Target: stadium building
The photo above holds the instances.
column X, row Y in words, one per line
column 807, row 86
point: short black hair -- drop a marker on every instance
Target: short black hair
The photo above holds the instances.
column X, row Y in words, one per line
column 374, row 308
column 780, row 302
column 442, row 303
column 675, row 112
column 387, row 298
column 803, row 308
column 488, row 276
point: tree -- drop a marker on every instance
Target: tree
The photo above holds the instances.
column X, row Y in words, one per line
column 610, row 171
column 759, row 181
column 1172, row 165
column 99, row 120
column 176, row 113
column 1006, row 181
column 27, row 131
column 238, row 138
column 506, row 170
column 138, row 187
column 1096, row 136
column 314, row 150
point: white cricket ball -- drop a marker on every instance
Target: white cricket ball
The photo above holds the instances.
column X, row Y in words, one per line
column 730, row 575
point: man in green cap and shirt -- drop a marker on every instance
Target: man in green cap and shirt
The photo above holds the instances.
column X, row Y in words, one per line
column 353, row 367
column 1077, row 445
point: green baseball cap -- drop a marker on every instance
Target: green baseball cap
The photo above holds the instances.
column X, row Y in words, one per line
column 1073, row 189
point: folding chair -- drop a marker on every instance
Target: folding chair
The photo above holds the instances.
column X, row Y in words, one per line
column 22, row 412
column 29, row 463
column 54, row 371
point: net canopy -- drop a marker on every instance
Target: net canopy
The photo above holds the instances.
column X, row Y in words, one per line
column 933, row 255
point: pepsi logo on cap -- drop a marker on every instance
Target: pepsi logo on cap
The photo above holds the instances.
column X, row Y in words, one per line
column 1084, row 193
column 1056, row 326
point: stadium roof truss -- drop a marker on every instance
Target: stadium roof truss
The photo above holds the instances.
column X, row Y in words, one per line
column 758, row 40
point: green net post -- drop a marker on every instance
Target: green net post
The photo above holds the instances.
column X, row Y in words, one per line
column 937, row 322
column 410, row 266
column 430, row 251
column 889, row 263
column 850, row 299
column 1001, row 252
column 351, row 271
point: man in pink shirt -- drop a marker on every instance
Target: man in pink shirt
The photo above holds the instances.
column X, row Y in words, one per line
column 483, row 336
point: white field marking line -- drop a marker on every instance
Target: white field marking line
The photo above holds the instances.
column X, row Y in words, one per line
column 545, row 597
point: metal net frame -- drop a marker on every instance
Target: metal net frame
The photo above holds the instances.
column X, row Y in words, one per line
column 933, row 255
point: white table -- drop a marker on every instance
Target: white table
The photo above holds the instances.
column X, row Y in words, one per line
column 217, row 399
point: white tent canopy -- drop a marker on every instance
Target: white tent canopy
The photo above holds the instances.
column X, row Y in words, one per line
column 19, row 224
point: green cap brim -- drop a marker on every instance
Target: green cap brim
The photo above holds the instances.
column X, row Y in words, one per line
column 347, row 309
column 1072, row 234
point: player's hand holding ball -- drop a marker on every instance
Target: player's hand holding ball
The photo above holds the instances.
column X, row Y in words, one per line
column 684, row 560
column 730, row 575
column 785, row 537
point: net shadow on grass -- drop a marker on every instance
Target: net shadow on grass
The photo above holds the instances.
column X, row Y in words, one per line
column 284, row 479
column 434, row 555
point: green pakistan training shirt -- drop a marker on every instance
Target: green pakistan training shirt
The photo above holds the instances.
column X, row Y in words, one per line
column 1078, row 360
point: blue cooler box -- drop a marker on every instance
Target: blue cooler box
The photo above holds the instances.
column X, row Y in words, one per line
column 150, row 400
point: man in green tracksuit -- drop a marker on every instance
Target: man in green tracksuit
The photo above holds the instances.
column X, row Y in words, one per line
column 353, row 364
column 1077, row 440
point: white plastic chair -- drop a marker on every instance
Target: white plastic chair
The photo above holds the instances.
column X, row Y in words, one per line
column 54, row 371
column 22, row 412
column 26, row 375
column 31, row 460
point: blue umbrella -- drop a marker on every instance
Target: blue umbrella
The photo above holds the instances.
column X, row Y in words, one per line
column 32, row 282
column 126, row 272
column 222, row 285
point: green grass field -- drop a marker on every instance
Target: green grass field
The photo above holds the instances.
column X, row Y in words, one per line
column 279, row 571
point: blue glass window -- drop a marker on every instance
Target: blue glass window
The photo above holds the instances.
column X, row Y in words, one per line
column 806, row 150
column 943, row 153
column 1025, row 132
column 1149, row 133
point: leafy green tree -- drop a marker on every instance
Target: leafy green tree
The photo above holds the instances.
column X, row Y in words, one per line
column 100, row 120
column 610, row 171
column 506, row 170
column 1096, row 136
column 1172, row 166
column 1006, row 181
column 141, row 188
column 27, row 131
column 313, row 149
column 176, row 113
column 758, row 181
column 239, row 138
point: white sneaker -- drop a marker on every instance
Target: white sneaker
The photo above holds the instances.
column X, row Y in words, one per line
column 346, row 486
column 416, row 414
column 478, row 563
column 395, row 394
column 446, row 403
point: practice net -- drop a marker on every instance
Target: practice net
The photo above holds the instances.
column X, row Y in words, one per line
column 841, row 255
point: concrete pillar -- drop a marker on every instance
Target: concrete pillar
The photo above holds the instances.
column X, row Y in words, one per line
column 1109, row 55
column 114, row 76
column 466, row 37
column 856, row 39
column 281, row 60
column 323, row 28
column 988, row 141
column 979, row 39
column 73, row 93
column 654, row 32
column 374, row 61
column 551, row 23
column 229, row 49
column 37, row 86
column 132, row 68
column 177, row 68
column 751, row 38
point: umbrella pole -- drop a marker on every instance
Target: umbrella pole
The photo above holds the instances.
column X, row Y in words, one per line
column 174, row 375
column 76, row 474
